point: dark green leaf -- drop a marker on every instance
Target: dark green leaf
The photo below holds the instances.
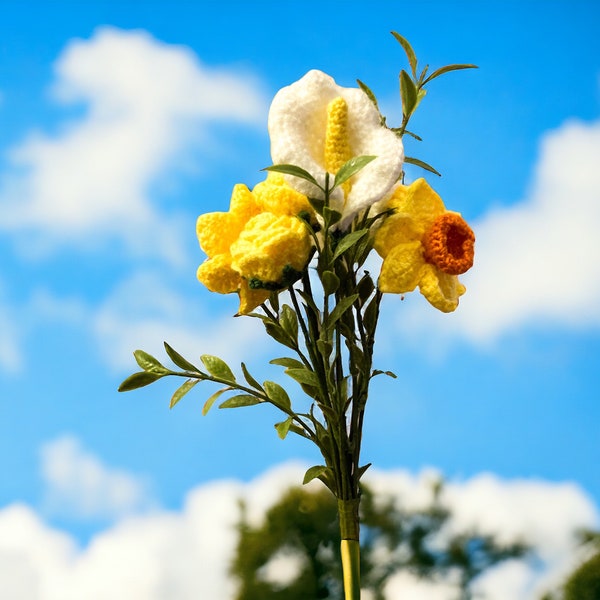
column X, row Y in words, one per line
column 348, row 241
column 330, row 281
column 250, row 379
column 325, row 347
column 182, row 390
column 353, row 166
column 361, row 470
column 365, row 288
column 365, row 88
column 408, row 93
column 149, row 363
column 410, row 53
column 388, row 373
column 277, row 395
column 419, row 163
column 293, row 170
column 447, row 69
column 371, row 315
column 318, row 204
column 287, row 362
column 313, row 473
column 413, row 135
column 304, row 376
column 181, row 362
column 283, row 427
column 342, row 306
column 138, row 380
column 208, row 404
column 240, row 400
column 217, row 367
column 289, row 322
column 330, row 216
column 278, row 334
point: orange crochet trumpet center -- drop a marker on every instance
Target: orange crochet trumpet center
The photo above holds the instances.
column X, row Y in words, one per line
column 449, row 244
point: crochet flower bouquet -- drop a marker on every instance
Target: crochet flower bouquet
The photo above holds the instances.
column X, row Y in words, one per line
column 294, row 248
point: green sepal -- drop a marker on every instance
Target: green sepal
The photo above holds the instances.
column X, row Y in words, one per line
column 138, row 380
column 217, row 367
column 240, row 400
column 208, row 404
column 277, row 395
column 348, row 241
column 419, row 163
column 149, row 363
column 182, row 390
column 293, row 170
column 283, row 427
column 351, row 167
column 410, row 53
column 177, row 359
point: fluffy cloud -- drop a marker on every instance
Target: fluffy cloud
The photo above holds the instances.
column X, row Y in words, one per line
column 10, row 351
column 80, row 485
column 185, row 554
column 146, row 104
column 537, row 261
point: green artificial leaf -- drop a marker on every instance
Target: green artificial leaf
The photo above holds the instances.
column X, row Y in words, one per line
column 408, row 93
column 287, row 362
column 447, row 69
column 371, row 315
column 330, row 281
column 313, row 473
column 138, row 380
column 412, row 135
column 388, row 373
column 362, row 470
column 348, row 241
column 278, row 334
column 419, row 163
column 353, row 166
column 318, row 205
column 365, row 88
column 410, row 53
column 250, row 379
column 181, row 362
column 149, row 363
column 293, row 170
column 277, row 395
column 289, row 322
column 283, row 427
column 342, row 306
column 299, row 431
column 240, row 400
column 182, row 390
column 217, row 367
column 208, row 404
column 303, row 376
column 330, row 216
column 365, row 288
column 325, row 347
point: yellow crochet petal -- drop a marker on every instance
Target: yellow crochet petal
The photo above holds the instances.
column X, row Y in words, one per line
column 418, row 200
column 401, row 269
column 250, row 299
column 396, row 229
column 243, row 205
column 216, row 232
column 274, row 195
column 218, row 276
column 440, row 289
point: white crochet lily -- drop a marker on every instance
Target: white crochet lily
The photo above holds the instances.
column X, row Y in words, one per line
column 318, row 125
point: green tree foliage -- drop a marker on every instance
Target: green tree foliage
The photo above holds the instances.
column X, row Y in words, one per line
column 304, row 524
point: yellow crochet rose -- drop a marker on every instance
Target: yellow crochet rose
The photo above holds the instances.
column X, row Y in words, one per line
column 259, row 245
column 422, row 244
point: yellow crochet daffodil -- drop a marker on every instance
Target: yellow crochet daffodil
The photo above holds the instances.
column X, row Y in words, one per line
column 259, row 245
column 422, row 244
column 317, row 125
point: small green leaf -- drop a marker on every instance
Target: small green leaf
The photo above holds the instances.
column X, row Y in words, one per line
column 348, row 241
column 410, row 53
column 318, row 205
column 289, row 322
column 325, row 347
column 208, row 404
column 278, row 334
column 388, row 373
column 419, row 163
column 181, row 362
column 313, row 473
column 283, row 427
column 287, row 362
column 138, row 380
column 353, row 166
column 250, row 379
column 367, row 90
column 149, row 363
column 299, row 431
column 293, row 170
column 240, row 400
column 362, row 470
column 217, row 367
column 304, row 376
column 182, row 390
column 408, row 93
column 330, row 216
column 277, row 395
column 330, row 281
column 447, row 69
column 342, row 306
column 365, row 288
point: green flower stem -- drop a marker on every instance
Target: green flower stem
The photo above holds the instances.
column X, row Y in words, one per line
column 350, row 547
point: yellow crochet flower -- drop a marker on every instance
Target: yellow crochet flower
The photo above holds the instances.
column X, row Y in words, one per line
column 259, row 245
column 318, row 125
column 422, row 244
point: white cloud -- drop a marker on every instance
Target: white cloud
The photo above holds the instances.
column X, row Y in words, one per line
column 185, row 554
column 147, row 104
column 10, row 341
column 80, row 485
column 536, row 262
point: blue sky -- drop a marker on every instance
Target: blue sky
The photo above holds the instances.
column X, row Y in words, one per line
column 121, row 122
